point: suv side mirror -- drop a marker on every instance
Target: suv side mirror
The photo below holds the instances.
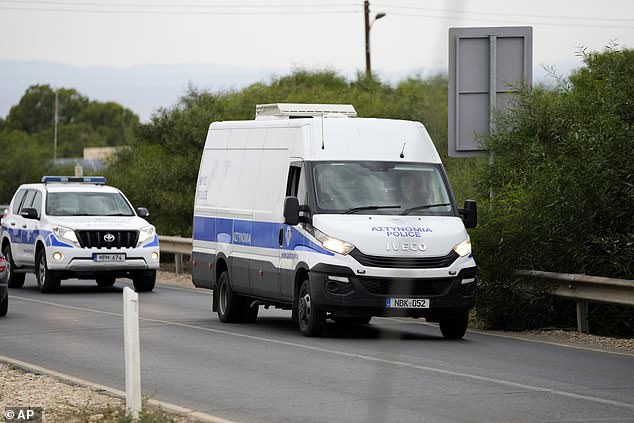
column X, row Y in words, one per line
column 29, row 213
column 291, row 211
column 469, row 214
column 142, row 212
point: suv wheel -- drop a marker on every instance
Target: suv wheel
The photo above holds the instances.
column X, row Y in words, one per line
column 144, row 281
column 45, row 280
column 16, row 280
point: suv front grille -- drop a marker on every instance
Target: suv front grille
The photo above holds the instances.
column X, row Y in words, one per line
column 405, row 262
column 107, row 239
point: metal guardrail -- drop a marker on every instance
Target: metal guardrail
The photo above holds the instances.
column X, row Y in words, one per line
column 178, row 246
column 583, row 289
column 586, row 289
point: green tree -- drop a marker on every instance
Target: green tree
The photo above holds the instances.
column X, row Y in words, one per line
column 564, row 181
column 81, row 122
column 23, row 161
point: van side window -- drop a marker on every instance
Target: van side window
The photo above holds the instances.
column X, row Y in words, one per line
column 18, row 201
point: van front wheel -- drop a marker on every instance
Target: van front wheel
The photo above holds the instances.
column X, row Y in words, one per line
column 310, row 318
column 229, row 304
column 455, row 327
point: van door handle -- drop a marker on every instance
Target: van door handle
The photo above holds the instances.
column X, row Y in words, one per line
column 23, row 226
column 280, row 236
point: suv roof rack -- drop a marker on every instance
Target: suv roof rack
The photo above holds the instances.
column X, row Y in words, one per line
column 99, row 180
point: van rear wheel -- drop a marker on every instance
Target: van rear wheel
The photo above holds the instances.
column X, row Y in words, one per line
column 230, row 305
column 455, row 327
column 310, row 318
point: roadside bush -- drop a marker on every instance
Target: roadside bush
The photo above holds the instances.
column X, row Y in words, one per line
column 564, row 188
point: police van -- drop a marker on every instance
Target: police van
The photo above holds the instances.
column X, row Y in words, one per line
column 312, row 209
column 77, row 227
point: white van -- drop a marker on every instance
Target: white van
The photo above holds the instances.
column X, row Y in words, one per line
column 312, row 209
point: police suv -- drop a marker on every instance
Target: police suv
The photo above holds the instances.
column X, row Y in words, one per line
column 77, row 227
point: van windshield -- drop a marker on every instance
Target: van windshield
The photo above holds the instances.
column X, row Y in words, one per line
column 381, row 188
column 87, row 204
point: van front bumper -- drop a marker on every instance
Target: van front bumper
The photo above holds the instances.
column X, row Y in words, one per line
column 340, row 291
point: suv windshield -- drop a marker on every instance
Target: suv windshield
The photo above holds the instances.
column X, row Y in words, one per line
column 87, row 204
column 381, row 188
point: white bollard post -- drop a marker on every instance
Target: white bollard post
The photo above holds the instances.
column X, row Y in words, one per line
column 132, row 351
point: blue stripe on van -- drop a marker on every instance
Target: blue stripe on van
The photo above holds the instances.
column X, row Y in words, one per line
column 255, row 234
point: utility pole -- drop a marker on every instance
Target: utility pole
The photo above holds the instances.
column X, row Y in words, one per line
column 55, row 119
column 366, row 13
column 368, row 26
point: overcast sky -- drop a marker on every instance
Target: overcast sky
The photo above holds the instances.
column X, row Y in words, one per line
column 287, row 34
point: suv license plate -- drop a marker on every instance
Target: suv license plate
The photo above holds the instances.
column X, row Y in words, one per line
column 108, row 257
column 407, row 303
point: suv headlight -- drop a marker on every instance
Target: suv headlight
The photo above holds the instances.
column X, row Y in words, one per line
column 333, row 244
column 145, row 234
column 464, row 248
column 67, row 234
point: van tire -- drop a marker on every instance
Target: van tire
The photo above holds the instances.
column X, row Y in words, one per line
column 310, row 318
column 45, row 280
column 16, row 280
column 143, row 281
column 230, row 305
column 455, row 327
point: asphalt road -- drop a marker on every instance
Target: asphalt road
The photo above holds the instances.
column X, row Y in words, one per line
column 393, row 370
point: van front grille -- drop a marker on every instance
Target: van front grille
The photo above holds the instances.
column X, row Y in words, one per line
column 107, row 239
column 405, row 262
column 403, row 286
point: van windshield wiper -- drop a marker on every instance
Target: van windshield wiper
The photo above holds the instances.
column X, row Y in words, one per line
column 426, row 206
column 356, row 209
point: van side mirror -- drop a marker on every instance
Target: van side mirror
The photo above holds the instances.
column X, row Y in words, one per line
column 291, row 211
column 469, row 214
column 142, row 212
column 29, row 213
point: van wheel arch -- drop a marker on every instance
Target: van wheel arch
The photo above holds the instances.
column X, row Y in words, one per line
column 220, row 266
column 301, row 274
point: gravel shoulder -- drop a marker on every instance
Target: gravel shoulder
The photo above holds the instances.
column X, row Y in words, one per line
column 19, row 387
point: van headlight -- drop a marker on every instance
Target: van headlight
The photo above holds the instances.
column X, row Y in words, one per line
column 333, row 244
column 144, row 234
column 464, row 248
column 67, row 234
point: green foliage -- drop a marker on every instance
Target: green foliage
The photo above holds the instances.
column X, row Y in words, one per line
column 563, row 180
column 81, row 122
column 27, row 134
column 23, row 161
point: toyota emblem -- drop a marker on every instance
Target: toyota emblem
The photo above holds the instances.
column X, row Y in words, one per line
column 108, row 237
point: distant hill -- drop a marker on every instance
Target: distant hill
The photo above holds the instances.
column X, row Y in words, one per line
column 143, row 89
